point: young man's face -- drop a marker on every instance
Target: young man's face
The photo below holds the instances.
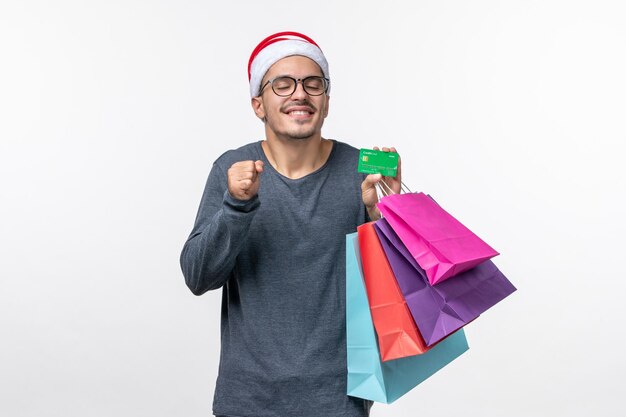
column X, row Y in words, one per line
column 298, row 116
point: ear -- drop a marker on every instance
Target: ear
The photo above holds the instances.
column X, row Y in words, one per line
column 257, row 106
column 327, row 98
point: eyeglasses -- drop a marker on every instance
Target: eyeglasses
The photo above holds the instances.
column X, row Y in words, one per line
column 284, row 86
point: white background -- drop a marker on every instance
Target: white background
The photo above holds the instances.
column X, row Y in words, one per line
column 510, row 113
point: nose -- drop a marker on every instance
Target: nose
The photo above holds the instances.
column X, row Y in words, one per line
column 299, row 93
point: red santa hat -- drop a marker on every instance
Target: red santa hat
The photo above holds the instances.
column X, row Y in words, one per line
column 276, row 47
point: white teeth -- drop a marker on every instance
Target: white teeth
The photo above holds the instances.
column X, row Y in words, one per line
column 299, row 112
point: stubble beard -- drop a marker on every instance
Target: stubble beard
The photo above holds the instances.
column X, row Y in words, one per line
column 296, row 134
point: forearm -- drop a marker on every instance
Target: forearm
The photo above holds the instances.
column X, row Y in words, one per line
column 372, row 213
column 208, row 257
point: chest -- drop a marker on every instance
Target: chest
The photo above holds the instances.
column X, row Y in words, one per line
column 307, row 215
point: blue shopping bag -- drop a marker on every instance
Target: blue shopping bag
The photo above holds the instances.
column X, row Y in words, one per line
column 368, row 376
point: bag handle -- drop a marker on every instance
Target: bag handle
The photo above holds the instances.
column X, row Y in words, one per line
column 386, row 190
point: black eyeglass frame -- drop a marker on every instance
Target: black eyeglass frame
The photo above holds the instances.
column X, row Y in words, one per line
column 295, row 85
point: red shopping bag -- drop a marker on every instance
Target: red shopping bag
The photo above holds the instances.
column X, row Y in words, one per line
column 398, row 336
column 440, row 244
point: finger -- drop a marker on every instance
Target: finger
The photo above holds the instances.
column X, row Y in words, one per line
column 238, row 172
column 245, row 185
column 243, row 166
column 371, row 180
column 259, row 165
column 399, row 171
column 385, row 149
column 368, row 190
column 398, row 176
column 245, row 175
column 376, row 148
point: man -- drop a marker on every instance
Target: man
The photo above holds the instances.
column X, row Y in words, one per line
column 270, row 231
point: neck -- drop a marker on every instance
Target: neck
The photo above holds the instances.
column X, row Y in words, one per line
column 296, row 158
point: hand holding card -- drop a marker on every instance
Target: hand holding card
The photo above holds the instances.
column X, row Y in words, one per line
column 381, row 165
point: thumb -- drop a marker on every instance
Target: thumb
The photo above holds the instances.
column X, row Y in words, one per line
column 258, row 165
column 371, row 180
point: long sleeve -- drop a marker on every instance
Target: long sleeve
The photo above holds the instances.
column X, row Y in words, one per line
column 220, row 230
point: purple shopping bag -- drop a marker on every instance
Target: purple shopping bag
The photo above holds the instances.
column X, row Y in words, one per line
column 439, row 310
column 440, row 244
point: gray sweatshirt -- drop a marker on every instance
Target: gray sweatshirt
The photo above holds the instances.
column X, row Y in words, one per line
column 280, row 261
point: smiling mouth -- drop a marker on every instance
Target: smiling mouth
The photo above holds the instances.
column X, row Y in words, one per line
column 301, row 110
column 300, row 114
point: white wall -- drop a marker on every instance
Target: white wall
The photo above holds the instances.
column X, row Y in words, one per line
column 510, row 113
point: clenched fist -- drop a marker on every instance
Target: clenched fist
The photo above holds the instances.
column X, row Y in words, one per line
column 244, row 179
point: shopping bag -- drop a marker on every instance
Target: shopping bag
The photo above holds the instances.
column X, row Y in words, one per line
column 398, row 336
column 439, row 310
column 440, row 244
column 368, row 376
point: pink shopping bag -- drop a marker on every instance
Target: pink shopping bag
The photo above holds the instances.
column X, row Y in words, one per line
column 440, row 244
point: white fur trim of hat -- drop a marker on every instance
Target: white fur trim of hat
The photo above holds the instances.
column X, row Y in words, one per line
column 279, row 46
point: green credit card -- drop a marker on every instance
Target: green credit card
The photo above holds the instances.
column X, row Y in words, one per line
column 378, row 162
